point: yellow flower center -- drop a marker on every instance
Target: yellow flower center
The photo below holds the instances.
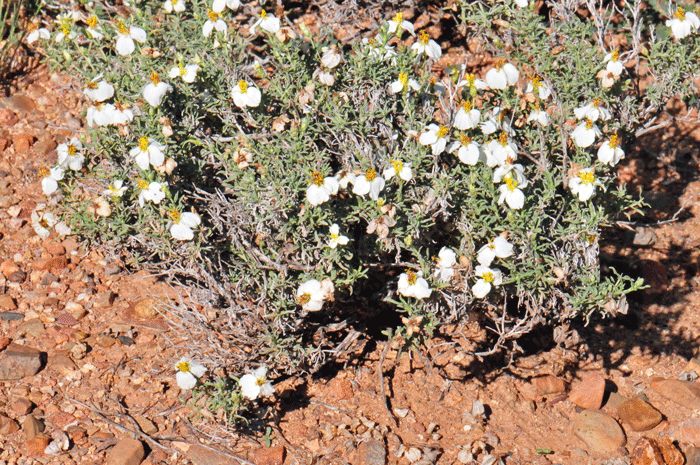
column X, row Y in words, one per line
column 536, row 82
column 587, row 177
column 488, row 277
column 72, row 150
column 143, row 144
column 398, row 166
column 371, row 41
column 92, row 22
column 122, row 29
column 370, row 174
column 213, row 16
column 32, row 27
column 398, row 18
column 143, row 185
column 316, row 178
column 155, row 79
column 680, row 14
column 44, row 223
column 182, row 69
column 511, row 183
column 614, row 142
column 589, row 123
column 304, row 298
column 442, row 132
column 467, row 106
column 503, row 139
column 44, row 172
column 403, row 79
column 424, row 38
column 615, row 55
column 471, row 79
column 334, row 236
column 243, row 86
column 412, row 277
column 65, row 27
column 184, row 367
column 263, row 14
column 175, row 215
column 596, row 102
column 91, row 85
column 465, row 140
column 173, row 2
column 500, row 64
column 113, row 189
column 261, row 381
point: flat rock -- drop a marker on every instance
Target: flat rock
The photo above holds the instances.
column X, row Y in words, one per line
column 7, row 302
column 22, row 406
column 687, row 431
column 599, row 431
column 32, row 427
column 127, row 451
column 200, row 455
column 685, row 393
column 548, row 385
column 18, row 361
column 36, row 446
column 692, row 455
column 11, row 316
column 8, row 425
column 640, row 415
column 588, row 394
column 269, row 455
column 32, row 328
column 614, row 401
column 19, row 103
column 371, row 452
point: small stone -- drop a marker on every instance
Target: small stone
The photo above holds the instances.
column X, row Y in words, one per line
column 646, row 452
column 4, row 342
column 7, row 118
column 685, row 393
column 32, row 328
column 20, row 103
column 73, row 123
column 18, row 361
column 37, row 445
column 66, row 319
column 371, row 452
column 548, row 385
column 341, row 389
column 269, row 455
column 55, row 248
column 105, row 299
column 61, row 362
column 687, row 431
column 8, row 426
column 200, row 455
column 588, row 394
column 8, row 267
column 146, row 425
column 22, row 406
column 17, row 277
column 23, row 142
column 48, row 278
column 600, row 432
column 32, row 427
column 44, row 146
column 692, row 455
column 146, row 308
column 644, row 237
column 672, row 455
column 53, row 263
column 640, row 415
column 11, row 316
column 7, row 302
column 128, row 451
column 112, row 269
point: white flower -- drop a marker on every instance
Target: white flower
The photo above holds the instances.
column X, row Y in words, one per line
column 445, row 263
column 313, row 293
column 219, row 5
column 183, row 224
column 473, row 84
column 116, row 190
column 344, row 178
column 499, row 247
column 336, row 238
column 127, row 36
column 585, row 134
column 368, row 183
column 682, row 23
column 540, row 116
column 254, row 385
column 592, row 111
column 154, row 91
column 266, row 21
column 537, row 85
column 245, row 95
column 94, row 29
column 149, row 151
column 400, row 169
column 214, row 22
column 428, row 46
column 69, row 154
column 522, row 3
column 510, row 191
column 320, row 189
column 610, row 151
column 488, row 278
column 614, row 65
column 496, row 120
column 584, row 184
column 501, row 151
column 467, row 117
column 153, row 192
column 377, row 50
column 66, row 23
column 468, row 150
column 121, row 114
column 411, row 284
column 436, row 137
column 502, row 76
column 99, row 91
column 187, row 373
column 177, row 6
column 38, row 33
column 399, row 24
column 50, row 183
column 331, row 57
column 403, row 83
column 512, row 169
column 187, row 73
column 42, row 223
column 63, row 229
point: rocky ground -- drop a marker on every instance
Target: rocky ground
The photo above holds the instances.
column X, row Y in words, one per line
column 88, row 349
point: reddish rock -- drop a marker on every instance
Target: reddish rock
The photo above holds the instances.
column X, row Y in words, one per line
column 36, row 446
column 687, row 431
column 32, row 427
column 18, row 361
column 8, row 267
column 54, row 248
column 7, row 118
column 21, row 103
column 692, row 455
column 200, row 455
column 371, row 452
column 685, row 393
column 588, row 394
column 7, row 303
column 646, row 452
column 22, row 406
column 8, row 425
column 640, row 415
column 548, row 385
column 600, row 432
column 23, row 142
column 672, row 455
column 128, row 451
column 269, row 455
column 341, row 389
column 53, row 263
column 4, row 342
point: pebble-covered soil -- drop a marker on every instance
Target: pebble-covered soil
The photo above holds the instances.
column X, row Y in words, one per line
column 87, row 348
